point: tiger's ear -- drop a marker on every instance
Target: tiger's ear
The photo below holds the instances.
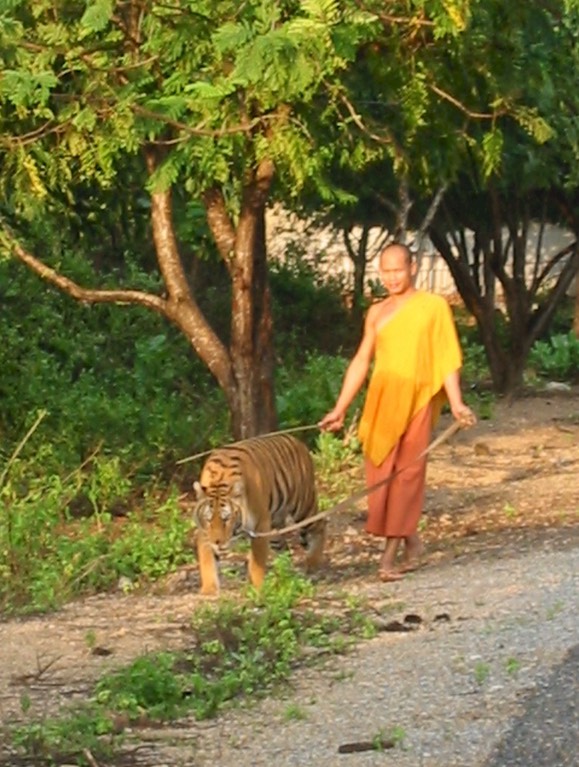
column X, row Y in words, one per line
column 198, row 491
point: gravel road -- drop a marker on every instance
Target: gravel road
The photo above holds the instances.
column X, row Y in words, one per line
column 489, row 678
column 485, row 673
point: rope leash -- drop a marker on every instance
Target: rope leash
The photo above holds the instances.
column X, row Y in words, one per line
column 446, row 434
column 292, row 430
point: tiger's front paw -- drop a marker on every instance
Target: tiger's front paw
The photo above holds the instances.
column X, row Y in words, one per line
column 209, row 590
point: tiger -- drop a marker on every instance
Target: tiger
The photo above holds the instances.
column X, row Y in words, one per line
column 255, row 484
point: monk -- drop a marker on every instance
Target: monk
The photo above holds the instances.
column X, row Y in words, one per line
column 411, row 338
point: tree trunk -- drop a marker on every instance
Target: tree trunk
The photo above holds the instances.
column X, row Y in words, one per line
column 506, row 366
column 245, row 372
column 358, row 255
column 252, row 398
column 530, row 300
column 576, row 316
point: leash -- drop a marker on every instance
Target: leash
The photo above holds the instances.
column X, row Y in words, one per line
column 446, row 434
column 292, row 430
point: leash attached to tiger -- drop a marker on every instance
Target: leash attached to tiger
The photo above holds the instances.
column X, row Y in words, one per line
column 255, row 484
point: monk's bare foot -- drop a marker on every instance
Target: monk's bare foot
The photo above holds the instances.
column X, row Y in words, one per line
column 413, row 551
column 389, row 575
column 387, row 570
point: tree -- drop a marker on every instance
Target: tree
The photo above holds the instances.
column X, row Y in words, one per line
column 536, row 179
column 205, row 101
column 485, row 240
column 488, row 128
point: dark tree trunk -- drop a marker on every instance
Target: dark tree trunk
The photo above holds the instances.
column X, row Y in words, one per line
column 358, row 255
column 529, row 303
column 251, row 398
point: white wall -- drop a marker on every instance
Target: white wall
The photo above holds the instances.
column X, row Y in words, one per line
column 326, row 246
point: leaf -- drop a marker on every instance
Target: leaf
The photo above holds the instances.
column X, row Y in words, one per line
column 205, row 91
column 231, row 36
column 535, row 125
column 492, row 147
column 25, row 89
column 97, row 16
column 326, row 11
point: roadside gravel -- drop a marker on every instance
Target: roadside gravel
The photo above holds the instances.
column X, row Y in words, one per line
column 486, row 679
column 485, row 674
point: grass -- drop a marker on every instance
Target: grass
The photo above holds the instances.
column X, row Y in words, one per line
column 237, row 649
column 512, row 666
column 294, row 713
column 482, row 671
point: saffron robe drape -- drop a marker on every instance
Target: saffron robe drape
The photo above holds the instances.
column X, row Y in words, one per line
column 416, row 349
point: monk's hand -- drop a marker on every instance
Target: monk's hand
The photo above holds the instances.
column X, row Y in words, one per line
column 332, row 421
column 464, row 415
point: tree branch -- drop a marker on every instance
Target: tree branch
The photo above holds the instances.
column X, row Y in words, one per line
column 539, row 279
column 86, row 295
column 220, row 223
column 460, row 106
column 243, row 128
column 360, row 124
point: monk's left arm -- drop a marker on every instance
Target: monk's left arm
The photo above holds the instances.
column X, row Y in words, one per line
column 460, row 411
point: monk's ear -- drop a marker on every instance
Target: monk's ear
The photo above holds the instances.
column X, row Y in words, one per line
column 413, row 267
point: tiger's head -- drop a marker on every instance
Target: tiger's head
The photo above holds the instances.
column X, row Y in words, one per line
column 218, row 512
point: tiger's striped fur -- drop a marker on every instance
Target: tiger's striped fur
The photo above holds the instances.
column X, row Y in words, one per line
column 258, row 483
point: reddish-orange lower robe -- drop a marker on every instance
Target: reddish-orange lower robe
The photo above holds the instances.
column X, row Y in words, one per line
column 395, row 507
column 416, row 349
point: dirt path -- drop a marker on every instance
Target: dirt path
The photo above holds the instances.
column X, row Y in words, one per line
column 508, row 485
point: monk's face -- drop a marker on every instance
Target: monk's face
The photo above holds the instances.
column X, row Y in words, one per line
column 397, row 270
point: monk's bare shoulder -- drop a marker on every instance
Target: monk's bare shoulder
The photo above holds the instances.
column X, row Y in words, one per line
column 377, row 312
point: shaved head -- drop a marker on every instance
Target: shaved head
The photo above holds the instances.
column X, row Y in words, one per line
column 397, row 269
column 398, row 249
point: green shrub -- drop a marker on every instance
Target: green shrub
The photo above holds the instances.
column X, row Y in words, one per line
column 48, row 557
column 306, row 392
column 475, row 366
column 309, row 313
column 117, row 376
column 556, row 358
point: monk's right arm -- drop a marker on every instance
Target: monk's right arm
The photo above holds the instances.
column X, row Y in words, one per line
column 353, row 380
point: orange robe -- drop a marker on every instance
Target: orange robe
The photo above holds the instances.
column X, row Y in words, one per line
column 416, row 349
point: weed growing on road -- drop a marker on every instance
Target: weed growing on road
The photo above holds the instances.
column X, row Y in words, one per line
column 294, row 713
column 512, row 665
column 554, row 610
column 481, row 672
column 509, row 511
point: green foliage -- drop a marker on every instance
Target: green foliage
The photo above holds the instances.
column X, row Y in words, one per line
column 87, row 729
column 308, row 309
column 148, row 686
column 512, row 666
column 475, row 366
column 556, row 358
column 112, row 376
column 482, row 671
column 239, row 648
column 47, row 556
column 87, row 112
column 306, row 393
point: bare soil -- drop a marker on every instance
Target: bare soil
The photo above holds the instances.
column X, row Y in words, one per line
column 511, row 481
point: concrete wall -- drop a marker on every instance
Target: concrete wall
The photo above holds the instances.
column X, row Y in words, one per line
column 325, row 247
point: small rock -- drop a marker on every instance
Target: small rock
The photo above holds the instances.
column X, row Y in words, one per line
column 557, row 386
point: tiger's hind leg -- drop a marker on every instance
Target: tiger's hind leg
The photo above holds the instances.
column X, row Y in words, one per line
column 315, row 538
column 208, row 568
